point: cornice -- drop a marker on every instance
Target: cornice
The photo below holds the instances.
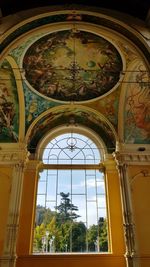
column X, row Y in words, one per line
column 132, row 158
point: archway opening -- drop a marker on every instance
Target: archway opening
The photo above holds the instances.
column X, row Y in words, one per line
column 71, row 209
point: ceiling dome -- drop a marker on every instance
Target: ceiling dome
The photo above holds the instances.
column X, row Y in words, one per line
column 72, row 65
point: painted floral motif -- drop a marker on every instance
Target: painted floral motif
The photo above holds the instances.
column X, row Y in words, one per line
column 72, row 66
column 137, row 116
column 108, row 106
column 35, row 105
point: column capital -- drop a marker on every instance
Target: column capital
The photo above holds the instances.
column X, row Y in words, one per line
column 119, row 158
column 12, row 154
column 110, row 165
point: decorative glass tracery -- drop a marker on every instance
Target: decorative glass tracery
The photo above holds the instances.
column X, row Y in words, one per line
column 71, row 200
column 71, row 148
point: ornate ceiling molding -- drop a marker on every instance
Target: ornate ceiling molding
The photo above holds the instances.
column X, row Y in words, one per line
column 76, row 13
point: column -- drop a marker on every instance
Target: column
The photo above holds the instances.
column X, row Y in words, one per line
column 14, row 160
column 27, row 214
column 129, row 232
column 114, row 208
column 9, row 255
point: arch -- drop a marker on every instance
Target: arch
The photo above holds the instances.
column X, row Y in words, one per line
column 73, row 129
column 75, row 177
column 99, row 17
column 83, row 116
column 19, row 89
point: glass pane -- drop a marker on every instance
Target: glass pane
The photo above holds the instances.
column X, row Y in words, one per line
column 78, row 182
column 72, row 146
column 42, row 175
column 92, row 213
column 80, row 202
column 91, row 188
column 41, row 200
column 102, row 213
column 41, row 187
column 100, row 188
column 71, row 203
column 51, row 188
column 102, row 201
column 64, row 181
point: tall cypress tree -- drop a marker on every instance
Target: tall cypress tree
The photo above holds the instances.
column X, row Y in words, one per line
column 66, row 210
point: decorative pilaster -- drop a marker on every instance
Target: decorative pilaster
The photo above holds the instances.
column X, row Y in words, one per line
column 16, row 161
column 129, row 232
column 28, row 204
column 116, row 241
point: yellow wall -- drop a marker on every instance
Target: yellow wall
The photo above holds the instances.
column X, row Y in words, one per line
column 114, row 208
column 5, row 189
column 140, row 194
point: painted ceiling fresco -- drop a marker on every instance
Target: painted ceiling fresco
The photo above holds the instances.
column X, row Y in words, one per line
column 72, row 65
column 9, row 110
column 108, row 106
column 65, row 117
column 137, row 106
column 34, row 105
column 75, row 65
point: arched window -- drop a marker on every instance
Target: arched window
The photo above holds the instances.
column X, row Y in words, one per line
column 71, row 211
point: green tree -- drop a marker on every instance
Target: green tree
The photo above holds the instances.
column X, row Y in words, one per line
column 40, row 211
column 98, row 233
column 39, row 232
column 103, row 233
column 43, row 215
column 92, row 237
column 72, row 237
column 78, row 237
column 66, row 209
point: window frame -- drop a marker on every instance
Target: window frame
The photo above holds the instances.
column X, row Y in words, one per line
column 97, row 166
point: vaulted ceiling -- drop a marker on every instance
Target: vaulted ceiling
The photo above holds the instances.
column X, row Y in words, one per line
column 74, row 66
column 136, row 8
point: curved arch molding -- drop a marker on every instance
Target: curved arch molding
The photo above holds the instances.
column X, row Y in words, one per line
column 9, row 103
column 65, row 116
column 85, row 15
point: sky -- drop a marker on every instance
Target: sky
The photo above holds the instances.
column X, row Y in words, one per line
column 86, row 188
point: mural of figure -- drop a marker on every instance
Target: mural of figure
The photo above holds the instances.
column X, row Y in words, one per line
column 6, row 110
column 72, row 66
column 138, row 109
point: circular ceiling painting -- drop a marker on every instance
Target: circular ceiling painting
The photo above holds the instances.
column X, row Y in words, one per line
column 72, row 65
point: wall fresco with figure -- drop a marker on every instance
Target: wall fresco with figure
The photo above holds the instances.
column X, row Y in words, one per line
column 9, row 109
column 72, row 65
column 137, row 106
column 34, row 105
column 108, row 106
column 75, row 117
